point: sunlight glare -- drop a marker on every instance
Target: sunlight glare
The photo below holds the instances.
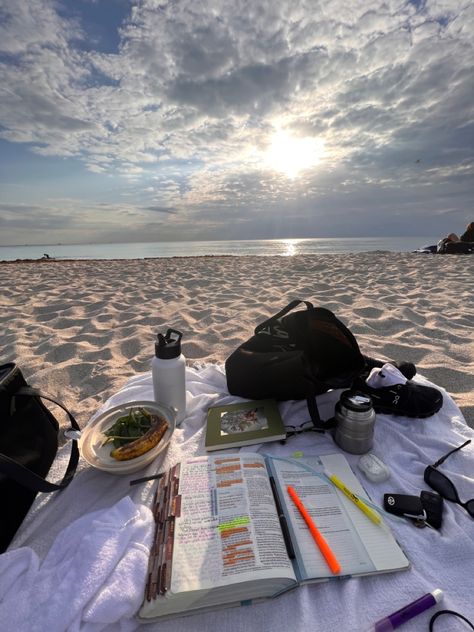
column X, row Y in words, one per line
column 291, row 247
column 291, row 155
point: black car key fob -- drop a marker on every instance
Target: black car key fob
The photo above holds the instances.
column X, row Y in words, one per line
column 404, row 505
column 433, row 505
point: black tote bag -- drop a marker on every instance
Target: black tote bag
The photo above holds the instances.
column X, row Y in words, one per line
column 28, row 445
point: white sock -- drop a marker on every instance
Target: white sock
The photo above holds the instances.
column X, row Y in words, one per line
column 388, row 375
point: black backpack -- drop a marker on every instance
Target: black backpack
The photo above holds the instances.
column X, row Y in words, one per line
column 296, row 356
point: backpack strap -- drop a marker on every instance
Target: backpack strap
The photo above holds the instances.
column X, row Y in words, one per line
column 319, row 424
column 282, row 313
column 26, row 477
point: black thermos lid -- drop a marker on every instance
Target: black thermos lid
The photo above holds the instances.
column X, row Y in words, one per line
column 168, row 346
column 356, row 401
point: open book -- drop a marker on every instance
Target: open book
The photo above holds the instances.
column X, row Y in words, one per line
column 219, row 539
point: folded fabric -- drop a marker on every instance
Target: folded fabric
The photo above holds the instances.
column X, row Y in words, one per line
column 92, row 578
column 387, row 375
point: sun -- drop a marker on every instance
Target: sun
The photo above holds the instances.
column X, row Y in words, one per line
column 291, row 155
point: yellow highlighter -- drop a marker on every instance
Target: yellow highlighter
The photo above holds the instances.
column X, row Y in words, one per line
column 370, row 513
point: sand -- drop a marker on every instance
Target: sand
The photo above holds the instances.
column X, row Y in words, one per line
column 80, row 329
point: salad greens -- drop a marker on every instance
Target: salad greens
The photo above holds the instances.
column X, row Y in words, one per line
column 129, row 427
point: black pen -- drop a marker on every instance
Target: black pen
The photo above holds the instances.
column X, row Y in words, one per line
column 283, row 524
column 146, row 478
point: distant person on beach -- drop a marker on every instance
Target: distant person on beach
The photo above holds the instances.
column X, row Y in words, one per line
column 452, row 244
column 468, row 234
column 443, row 243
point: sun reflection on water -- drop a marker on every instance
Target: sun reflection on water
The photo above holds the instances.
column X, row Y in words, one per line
column 290, row 247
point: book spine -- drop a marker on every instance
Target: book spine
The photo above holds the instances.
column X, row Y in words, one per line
column 166, row 507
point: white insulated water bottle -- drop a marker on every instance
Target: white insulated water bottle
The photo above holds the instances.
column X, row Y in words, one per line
column 168, row 373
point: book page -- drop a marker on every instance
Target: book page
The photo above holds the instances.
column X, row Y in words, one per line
column 379, row 542
column 227, row 529
column 322, row 503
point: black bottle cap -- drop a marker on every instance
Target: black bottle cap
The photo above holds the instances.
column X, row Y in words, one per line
column 168, row 346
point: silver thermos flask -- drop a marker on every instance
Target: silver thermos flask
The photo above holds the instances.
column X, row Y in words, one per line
column 355, row 421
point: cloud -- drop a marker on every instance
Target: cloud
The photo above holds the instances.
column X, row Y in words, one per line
column 30, row 25
column 14, row 208
column 160, row 209
column 73, row 220
column 192, row 97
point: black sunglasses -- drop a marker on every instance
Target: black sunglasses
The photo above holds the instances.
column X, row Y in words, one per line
column 441, row 483
column 306, row 426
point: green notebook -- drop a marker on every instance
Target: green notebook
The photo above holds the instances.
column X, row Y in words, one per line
column 244, row 423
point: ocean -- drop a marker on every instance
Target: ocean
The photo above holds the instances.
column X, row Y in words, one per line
column 261, row 247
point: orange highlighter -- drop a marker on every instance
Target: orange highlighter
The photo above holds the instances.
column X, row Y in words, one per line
column 320, row 541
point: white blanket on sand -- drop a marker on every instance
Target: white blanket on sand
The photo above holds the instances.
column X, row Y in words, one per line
column 52, row 577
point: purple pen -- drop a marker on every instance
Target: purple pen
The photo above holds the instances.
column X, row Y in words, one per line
column 398, row 618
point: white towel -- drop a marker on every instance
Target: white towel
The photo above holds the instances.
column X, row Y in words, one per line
column 92, row 578
column 439, row 559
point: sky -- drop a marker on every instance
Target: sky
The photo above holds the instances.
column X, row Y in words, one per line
column 173, row 120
